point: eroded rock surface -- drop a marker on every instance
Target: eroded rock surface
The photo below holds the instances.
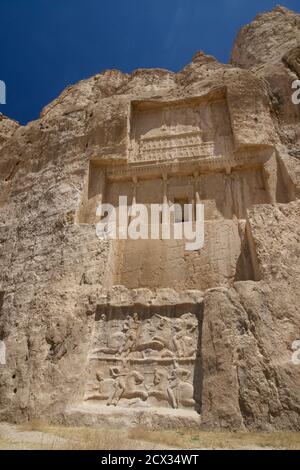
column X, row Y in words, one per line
column 224, row 135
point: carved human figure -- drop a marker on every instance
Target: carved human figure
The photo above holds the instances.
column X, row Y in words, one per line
column 160, row 384
column 102, row 389
column 178, row 339
column 181, row 388
column 131, row 330
column 145, row 341
column 148, row 332
column 161, row 389
column 100, row 379
column 128, row 384
column 189, row 339
column 184, row 339
column 114, row 339
column 151, row 337
column 164, row 335
column 100, row 332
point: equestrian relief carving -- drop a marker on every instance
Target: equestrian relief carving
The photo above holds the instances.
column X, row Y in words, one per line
column 144, row 362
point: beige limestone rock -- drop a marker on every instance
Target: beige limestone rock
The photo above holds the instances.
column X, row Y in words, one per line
column 226, row 134
column 269, row 47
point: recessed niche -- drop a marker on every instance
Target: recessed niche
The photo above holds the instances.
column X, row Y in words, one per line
column 146, row 356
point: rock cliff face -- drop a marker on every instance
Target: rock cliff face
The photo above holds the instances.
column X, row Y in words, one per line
column 269, row 47
column 240, row 137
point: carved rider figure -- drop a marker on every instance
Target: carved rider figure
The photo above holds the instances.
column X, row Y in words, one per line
column 128, row 384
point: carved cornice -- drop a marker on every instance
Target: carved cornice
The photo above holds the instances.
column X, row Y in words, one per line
column 185, row 166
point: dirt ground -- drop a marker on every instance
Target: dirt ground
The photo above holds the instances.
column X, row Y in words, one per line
column 39, row 435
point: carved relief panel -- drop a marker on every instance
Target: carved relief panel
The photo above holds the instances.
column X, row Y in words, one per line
column 179, row 130
column 145, row 356
column 181, row 146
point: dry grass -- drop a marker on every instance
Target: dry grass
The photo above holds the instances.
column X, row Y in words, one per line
column 188, row 439
column 3, row 443
column 41, row 435
column 86, row 438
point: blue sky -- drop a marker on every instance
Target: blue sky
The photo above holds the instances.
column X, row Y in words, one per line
column 47, row 45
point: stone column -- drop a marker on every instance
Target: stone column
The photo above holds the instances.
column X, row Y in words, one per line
column 165, row 192
column 134, row 188
column 101, row 187
column 165, row 210
column 196, row 193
